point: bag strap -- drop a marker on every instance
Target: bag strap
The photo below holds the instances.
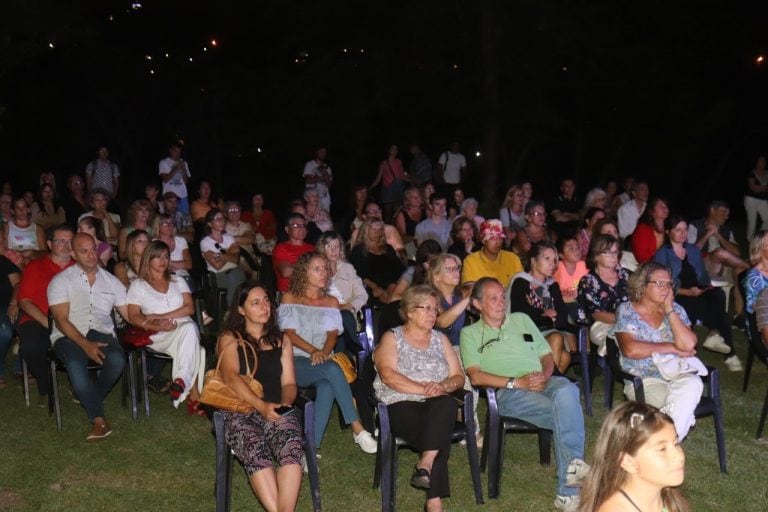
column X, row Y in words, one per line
column 242, row 344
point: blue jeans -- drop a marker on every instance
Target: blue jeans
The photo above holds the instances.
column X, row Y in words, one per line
column 6, row 335
column 91, row 394
column 557, row 408
column 329, row 381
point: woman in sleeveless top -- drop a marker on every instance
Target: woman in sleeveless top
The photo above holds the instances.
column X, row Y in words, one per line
column 392, row 177
column 312, row 321
column 268, row 444
column 417, row 369
column 638, row 464
column 24, row 240
column 512, row 212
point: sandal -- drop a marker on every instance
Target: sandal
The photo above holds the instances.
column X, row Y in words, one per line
column 194, row 408
column 420, row 478
column 159, row 384
column 177, row 388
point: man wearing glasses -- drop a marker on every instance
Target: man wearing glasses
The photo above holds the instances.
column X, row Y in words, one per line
column 33, row 302
column 287, row 253
column 506, row 351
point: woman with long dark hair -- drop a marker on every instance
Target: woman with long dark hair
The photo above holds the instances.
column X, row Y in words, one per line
column 638, row 464
column 269, row 444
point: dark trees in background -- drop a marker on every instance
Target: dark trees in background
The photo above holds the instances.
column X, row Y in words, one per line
column 669, row 91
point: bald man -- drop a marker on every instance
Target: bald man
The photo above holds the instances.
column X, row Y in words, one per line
column 81, row 299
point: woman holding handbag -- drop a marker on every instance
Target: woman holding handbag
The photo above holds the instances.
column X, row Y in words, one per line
column 311, row 319
column 392, row 177
column 268, row 439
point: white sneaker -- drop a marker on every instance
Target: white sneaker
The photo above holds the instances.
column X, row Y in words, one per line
column 733, row 364
column 577, row 470
column 567, row 503
column 365, row 440
column 716, row 343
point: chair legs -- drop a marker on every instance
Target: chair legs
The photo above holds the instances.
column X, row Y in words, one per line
column 25, row 379
column 763, row 414
column 748, row 368
column 223, row 490
column 54, row 402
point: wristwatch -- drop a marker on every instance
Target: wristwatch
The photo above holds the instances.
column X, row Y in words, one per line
column 511, row 383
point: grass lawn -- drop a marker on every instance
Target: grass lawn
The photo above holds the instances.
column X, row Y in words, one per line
column 166, row 462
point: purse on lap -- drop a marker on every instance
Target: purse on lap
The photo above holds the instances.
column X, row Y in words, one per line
column 217, row 394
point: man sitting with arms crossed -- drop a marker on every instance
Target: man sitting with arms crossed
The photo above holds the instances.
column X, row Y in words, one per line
column 81, row 299
column 506, row 351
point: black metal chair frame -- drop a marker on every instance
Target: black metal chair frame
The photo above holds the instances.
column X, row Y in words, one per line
column 385, row 473
column 224, row 457
column 496, row 426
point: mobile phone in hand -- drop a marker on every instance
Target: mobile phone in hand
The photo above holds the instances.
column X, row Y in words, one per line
column 284, row 409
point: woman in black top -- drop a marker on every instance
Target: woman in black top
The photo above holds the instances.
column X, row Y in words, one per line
column 537, row 295
column 263, row 438
column 376, row 262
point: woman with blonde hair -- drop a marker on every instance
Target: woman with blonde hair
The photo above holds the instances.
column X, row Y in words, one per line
column 417, row 370
column 651, row 329
column 376, row 262
column 756, row 278
column 638, row 465
column 139, row 218
column 512, row 211
column 129, row 268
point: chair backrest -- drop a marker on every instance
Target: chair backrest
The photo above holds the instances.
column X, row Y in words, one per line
column 612, row 348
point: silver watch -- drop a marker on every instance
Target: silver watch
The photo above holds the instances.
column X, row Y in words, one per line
column 511, row 383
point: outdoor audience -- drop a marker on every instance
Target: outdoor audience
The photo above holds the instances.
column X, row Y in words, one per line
column 427, row 276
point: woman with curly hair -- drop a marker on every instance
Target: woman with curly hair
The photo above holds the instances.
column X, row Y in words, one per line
column 639, row 463
column 269, row 444
column 311, row 320
column 464, row 236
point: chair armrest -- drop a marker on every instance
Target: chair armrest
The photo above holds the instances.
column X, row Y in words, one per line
column 712, row 383
column 493, row 406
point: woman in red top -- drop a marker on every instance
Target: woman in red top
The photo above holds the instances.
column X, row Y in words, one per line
column 262, row 220
column 649, row 233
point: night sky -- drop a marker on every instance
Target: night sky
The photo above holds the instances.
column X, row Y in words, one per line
column 670, row 91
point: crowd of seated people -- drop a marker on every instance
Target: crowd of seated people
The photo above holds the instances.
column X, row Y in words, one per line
column 626, row 267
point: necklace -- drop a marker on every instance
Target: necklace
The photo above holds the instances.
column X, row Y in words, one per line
column 630, row 500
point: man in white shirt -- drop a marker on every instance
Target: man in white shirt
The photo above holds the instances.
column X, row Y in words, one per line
column 318, row 176
column 81, row 299
column 452, row 166
column 631, row 211
column 175, row 174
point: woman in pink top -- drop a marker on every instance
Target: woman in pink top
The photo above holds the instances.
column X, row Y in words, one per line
column 570, row 269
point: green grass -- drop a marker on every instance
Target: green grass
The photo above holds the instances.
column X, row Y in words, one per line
column 166, row 462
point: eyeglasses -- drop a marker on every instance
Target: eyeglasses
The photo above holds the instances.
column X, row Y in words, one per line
column 234, row 210
column 332, row 246
column 218, row 219
column 485, row 344
column 452, row 269
column 662, row 284
column 219, row 247
column 428, row 309
column 298, row 226
column 538, row 214
column 610, row 253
